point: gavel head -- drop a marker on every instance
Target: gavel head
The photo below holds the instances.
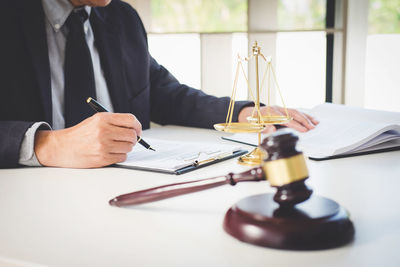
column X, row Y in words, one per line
column 285, row 168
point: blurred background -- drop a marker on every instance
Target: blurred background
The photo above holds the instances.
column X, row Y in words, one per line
column 341, row 51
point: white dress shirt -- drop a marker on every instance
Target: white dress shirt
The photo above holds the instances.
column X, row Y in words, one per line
column 56, row 13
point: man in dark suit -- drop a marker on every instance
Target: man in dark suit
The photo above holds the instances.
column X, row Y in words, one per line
column 55, row 53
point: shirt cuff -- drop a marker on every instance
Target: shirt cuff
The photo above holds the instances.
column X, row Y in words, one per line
column 27, row 154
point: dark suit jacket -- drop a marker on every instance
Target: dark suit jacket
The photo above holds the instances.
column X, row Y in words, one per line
column 136, row 82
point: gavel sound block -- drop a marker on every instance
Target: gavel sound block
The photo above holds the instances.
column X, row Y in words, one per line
column 289, row 219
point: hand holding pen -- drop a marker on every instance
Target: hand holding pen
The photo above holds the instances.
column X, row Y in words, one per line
column 100, row 140
column 99, row 108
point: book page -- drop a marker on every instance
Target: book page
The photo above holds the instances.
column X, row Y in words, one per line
column 386, row 137
column 341, row 130
column 174, row 155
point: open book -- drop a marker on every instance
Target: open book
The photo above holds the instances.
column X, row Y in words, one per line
column 177, row 157
column 344, row 131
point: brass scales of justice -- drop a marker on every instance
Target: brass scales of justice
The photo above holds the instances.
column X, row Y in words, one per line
column 256, row 122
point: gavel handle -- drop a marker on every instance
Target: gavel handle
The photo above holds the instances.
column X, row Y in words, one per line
column 173, row 190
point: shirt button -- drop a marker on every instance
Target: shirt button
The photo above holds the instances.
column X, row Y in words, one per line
column 57, row 26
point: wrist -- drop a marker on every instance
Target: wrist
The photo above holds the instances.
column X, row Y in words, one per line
column 45, row 147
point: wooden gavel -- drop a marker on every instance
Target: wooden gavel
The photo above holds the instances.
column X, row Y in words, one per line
column 284, row 167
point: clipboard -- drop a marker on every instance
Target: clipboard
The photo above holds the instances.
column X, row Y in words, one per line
column 177, row 157
column 190, row 167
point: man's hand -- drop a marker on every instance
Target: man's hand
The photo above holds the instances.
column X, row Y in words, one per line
column 301, row 121
column 101, row 140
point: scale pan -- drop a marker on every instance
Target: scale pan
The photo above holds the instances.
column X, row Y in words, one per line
column 271, row 119
column 240, row 127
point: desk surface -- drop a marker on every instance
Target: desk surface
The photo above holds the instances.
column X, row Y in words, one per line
column 60, row 217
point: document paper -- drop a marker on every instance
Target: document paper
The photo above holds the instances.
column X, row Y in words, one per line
column 171, row 156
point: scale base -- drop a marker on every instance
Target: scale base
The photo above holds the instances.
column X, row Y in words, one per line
column 253, row 158
column 318, row 223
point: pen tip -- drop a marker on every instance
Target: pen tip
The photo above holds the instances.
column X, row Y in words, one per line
column 113, row 202
column 152, row 149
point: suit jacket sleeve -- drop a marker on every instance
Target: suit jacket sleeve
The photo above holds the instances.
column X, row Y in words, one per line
column 16, row 82
column 176, row 103
column 11, row 135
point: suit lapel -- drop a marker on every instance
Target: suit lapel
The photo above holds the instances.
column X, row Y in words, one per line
column 108, row 43
column 32, row 17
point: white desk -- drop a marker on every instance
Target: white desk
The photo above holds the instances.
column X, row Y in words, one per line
column 61, row 217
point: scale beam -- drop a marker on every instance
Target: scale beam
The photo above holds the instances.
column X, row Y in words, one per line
column 258, row 121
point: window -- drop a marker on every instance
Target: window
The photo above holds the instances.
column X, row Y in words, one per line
column 198, row 41
column 198, row 16
column 301, row 14
column 300, row 67
column 180, row 54
column 295, row 33
column 301, row 51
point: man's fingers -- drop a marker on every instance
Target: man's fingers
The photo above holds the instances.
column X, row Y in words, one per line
column 126, row 120
column 311, row 118
column 297, row 126
column 120, row 147
column 123, row 134
column 303, row 120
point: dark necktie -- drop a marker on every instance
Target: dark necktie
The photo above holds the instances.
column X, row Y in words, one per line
column 78, row 71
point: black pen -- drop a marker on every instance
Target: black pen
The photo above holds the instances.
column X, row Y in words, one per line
column 99, row 108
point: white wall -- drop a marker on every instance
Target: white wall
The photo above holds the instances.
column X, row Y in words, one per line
column 382, row 72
